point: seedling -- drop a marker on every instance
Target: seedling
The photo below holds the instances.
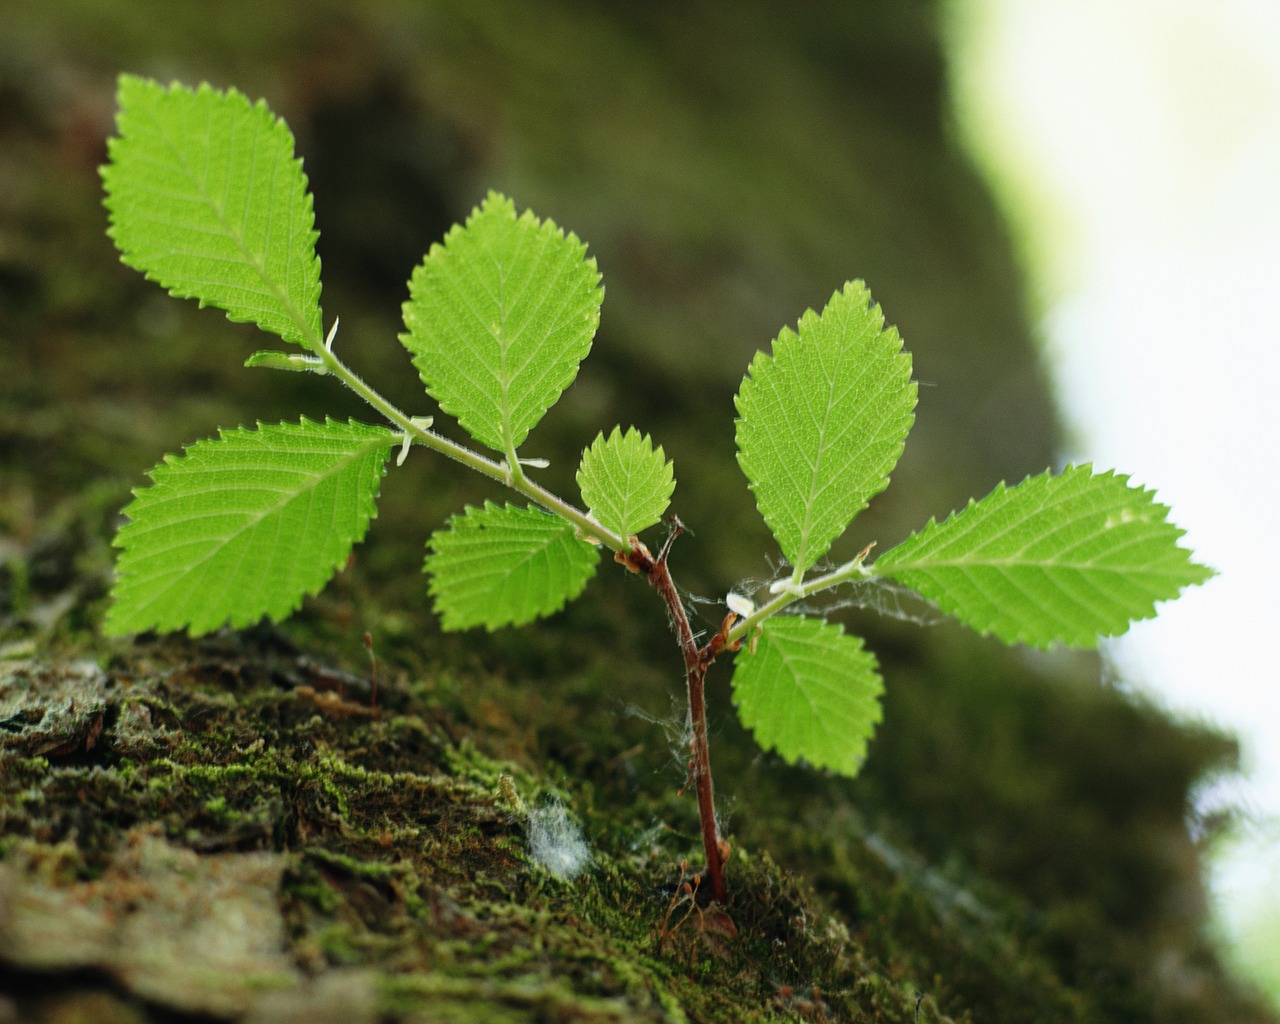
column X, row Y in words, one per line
column 207, row 199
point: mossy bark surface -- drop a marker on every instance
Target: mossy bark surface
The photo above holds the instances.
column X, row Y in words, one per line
column 238, row 828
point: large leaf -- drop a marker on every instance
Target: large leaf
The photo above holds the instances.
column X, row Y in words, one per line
column 498, row 319
column 246, row 525
column 207, row 199
column 822, row 422
column 1056, row 559
column 809, row 691
column 502, row 565
column 625, row 482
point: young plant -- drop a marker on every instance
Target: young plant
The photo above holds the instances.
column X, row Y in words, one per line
column 207, row 199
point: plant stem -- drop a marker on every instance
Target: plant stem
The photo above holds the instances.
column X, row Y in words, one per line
column 852, row 570
column 629, row 551
column 696, row 663
column 510, row 474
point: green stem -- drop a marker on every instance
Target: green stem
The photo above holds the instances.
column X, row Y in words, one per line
column 852, row 570
column 508, row 474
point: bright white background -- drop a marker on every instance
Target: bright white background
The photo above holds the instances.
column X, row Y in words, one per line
column 1136, row 144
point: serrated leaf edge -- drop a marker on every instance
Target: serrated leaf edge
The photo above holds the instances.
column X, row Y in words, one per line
column 656, row 461
column 805, row 559
column 792, row 753
column 307, row 335
column 506, row 440
column 436, row 589
column 122, row 539
column 1160, row 512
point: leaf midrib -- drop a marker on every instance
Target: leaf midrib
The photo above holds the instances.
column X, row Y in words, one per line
column 253, row 521
column 198, row 186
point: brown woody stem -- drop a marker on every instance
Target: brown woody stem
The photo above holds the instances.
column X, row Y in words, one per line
column 696, row 662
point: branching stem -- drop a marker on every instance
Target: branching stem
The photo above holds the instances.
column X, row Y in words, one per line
column 507, row 473
column 630, row 552
column 696, row 662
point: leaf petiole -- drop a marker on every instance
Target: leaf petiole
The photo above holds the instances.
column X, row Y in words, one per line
column 789, row 592
column 416, row 430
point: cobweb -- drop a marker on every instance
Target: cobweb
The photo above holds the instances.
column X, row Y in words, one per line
column 878, row 594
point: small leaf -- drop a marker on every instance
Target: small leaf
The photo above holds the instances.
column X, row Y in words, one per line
column 207, row 199
column 809, row 691
column 822, row 422
column 625, row 482
column 245, row 525
column 498, row 319
column 1056, row 559
column 505, row 566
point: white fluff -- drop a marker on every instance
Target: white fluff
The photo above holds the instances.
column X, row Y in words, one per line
column 556, row 843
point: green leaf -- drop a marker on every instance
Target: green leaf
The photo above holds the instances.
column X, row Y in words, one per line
column 823, row 421
column 504, row 566
column 207, row 199
column 626, row 483
column 1056, row 559
column 809, row 691
column 245, row 525
column 498, row 319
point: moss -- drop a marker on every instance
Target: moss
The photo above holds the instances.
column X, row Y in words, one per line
column 405, row 854
column 400, row 869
